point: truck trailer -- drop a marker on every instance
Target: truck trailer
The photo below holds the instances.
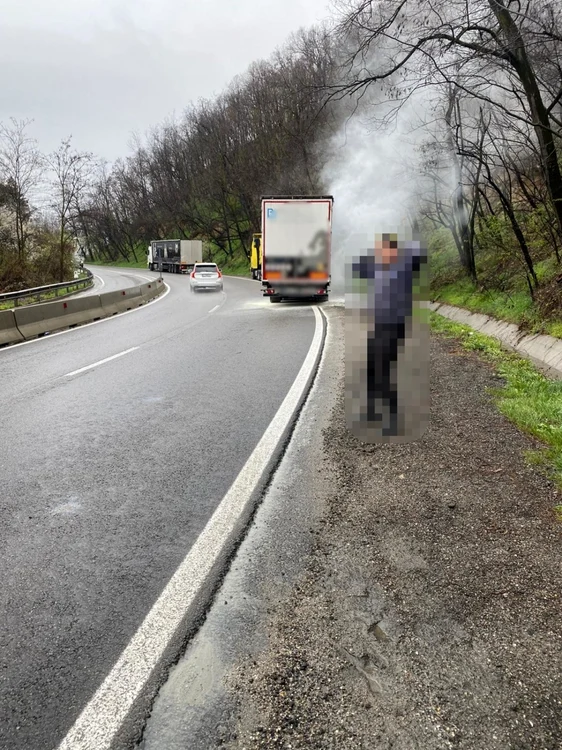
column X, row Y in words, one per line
column 175, row 256
column 296, row 246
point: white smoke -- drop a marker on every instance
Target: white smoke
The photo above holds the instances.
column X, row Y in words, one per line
column 373, row 172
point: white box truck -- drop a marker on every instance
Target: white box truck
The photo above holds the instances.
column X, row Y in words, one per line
column 175, row 256
column 296, row 247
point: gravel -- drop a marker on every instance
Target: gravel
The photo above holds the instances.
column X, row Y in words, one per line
column 428, row 614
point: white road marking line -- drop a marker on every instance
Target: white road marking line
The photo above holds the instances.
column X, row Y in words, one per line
column 86, row 325
column 216, row 307
column 100, row 362
column 101, row 719
column 102, row 282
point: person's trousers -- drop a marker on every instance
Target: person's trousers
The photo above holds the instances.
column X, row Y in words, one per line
column 383, row 345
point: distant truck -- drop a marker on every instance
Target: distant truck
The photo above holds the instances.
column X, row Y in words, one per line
column 255, row 257
column 296, row 247
column 174, row 256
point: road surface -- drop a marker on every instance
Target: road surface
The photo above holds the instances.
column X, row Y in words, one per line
column 114, row 279
column 118, row 441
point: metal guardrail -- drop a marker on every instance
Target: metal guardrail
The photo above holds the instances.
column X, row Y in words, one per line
column 39, row 290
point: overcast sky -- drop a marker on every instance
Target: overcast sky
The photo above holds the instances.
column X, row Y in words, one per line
column 100, row 69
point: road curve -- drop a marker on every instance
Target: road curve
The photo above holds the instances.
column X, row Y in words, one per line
column 118, row 441
column 111, row 279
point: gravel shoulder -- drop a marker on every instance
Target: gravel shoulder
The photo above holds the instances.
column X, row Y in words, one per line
column 427, row 614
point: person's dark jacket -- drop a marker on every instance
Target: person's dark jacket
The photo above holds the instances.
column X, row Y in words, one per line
column 391, row 286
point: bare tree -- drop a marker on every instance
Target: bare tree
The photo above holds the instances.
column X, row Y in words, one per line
column 21, row 170
column 72, row 171
column 410, row 44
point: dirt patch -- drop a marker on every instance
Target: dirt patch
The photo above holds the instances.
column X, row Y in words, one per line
column 429, row 614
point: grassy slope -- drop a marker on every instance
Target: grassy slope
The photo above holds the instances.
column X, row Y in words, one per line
column 502, row 291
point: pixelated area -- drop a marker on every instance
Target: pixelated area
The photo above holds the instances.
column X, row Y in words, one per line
column 298, row 239
column 387, row 338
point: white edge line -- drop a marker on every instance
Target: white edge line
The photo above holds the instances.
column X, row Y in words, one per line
column 100, row 362
column 216, row 307
column 86, row 325
column 103, row 716
column 100, row 279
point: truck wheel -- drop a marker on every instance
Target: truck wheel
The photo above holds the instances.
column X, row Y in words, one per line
column 275, row 299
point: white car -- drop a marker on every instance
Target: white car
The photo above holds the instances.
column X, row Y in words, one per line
column 205, row 276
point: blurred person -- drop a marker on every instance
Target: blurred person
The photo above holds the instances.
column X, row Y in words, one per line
column 390, row 272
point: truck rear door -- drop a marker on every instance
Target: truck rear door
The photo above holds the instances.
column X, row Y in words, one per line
column 296, row 236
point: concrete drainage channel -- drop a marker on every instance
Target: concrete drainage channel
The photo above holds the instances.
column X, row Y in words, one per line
column 29, row 322
column 544, row 351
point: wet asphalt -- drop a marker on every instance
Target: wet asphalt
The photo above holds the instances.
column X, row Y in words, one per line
column 109, row 475
column 198, row 707
column 114, row 279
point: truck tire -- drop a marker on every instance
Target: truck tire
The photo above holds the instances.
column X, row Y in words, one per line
column 275, row 299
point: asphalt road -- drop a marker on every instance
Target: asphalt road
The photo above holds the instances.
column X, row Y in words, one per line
column 113, row 279
column 109, row 475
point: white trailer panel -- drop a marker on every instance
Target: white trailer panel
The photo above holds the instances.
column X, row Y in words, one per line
column 191, row 251
column 296, row 237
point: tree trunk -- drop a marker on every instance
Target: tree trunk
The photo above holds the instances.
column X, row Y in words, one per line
column 61, row 254
column 541, row 122
column 508, row 208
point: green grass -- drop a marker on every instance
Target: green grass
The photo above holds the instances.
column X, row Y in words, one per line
column 515, row 307
column 528, row 398
column 236, row 267
column 502, row 290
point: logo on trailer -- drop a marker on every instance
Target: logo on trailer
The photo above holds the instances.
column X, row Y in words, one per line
column 270, row 213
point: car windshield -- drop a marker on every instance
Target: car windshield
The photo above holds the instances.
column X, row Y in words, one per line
column 205, row 269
